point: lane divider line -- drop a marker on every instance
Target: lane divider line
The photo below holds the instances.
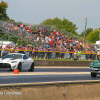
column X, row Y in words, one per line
column 61, row 67
column 50, row 83
column 43, row 73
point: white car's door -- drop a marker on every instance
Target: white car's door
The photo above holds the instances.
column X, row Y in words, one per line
column 26, row 62
column 29, row 62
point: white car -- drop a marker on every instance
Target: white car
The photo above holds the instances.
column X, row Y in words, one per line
column 17, row 61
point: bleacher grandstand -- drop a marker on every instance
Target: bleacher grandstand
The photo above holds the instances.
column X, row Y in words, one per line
column 45, row 38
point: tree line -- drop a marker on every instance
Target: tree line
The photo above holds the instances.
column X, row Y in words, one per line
column 3, row 9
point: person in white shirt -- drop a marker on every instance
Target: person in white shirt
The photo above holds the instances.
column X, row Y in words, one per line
column 98, row 55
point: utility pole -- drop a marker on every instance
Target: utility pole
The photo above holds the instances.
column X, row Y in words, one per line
column 85, row 29
column 99, row 34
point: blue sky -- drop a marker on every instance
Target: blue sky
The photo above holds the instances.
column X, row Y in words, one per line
column 35, row 11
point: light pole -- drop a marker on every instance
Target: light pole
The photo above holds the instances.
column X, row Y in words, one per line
column 85, row 28
column 99, row 34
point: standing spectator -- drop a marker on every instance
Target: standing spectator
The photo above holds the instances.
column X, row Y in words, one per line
column 62, row 54
column 98, row 55
column 87, row 54
column 0, row 51
column 75, row 55
column 79, row 54
column 4, row 52
column 48, row 53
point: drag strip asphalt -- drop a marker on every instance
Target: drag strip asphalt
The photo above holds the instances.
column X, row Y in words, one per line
column 46, row 74
column 44, row 78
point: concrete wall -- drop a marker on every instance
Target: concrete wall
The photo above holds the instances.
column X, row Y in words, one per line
column 61, row 63
column 79, row 91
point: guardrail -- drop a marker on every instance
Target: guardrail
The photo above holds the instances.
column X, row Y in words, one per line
column 84, row 90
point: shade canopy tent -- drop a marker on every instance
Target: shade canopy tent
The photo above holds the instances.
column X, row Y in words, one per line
column 5, row 43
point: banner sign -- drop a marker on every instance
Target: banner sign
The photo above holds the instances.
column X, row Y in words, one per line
column 66, row 56
column 83, row 57
column 53, row 55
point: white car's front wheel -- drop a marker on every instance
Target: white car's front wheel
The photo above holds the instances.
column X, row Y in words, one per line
column 19, row 66
column 32, row 67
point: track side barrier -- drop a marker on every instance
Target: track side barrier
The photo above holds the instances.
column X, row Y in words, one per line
column 89, row 90
column 41, row 55
column 54, row 54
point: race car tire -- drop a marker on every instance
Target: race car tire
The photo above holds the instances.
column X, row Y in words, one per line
column 19, row 66
column 93, row 74
column 32, row 67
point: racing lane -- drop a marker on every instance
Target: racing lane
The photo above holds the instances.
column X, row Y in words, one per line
column 64, row 76
column 51, row 69
column 44, row 78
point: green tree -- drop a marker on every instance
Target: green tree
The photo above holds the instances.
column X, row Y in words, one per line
column 19, row 22
column 87, row 32
column 47, row 22
column 62, row 24
column 3, row 8
column 93, row 36
column 12, row 20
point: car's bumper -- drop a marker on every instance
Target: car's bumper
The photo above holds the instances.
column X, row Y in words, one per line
column 7, row 66
column 94, row 70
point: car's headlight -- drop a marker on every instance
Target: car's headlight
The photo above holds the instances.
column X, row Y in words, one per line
column 14, row 62
column 91, row 64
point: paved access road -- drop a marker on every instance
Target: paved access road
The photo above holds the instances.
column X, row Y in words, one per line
column 47, row 74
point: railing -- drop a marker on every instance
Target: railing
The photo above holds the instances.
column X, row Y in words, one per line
column 53, row 54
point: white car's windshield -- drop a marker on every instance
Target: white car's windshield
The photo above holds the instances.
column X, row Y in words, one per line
column 15, row 56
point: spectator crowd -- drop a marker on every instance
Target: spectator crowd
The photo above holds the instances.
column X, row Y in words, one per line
column 50, row 44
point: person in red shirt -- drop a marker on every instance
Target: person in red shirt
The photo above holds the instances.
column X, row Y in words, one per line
column 51, row 43
column 55, row 32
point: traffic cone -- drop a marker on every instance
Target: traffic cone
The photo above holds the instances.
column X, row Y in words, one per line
column 16, row 71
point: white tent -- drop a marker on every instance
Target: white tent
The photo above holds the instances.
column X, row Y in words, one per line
column 5, row 43
column 98, row 42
